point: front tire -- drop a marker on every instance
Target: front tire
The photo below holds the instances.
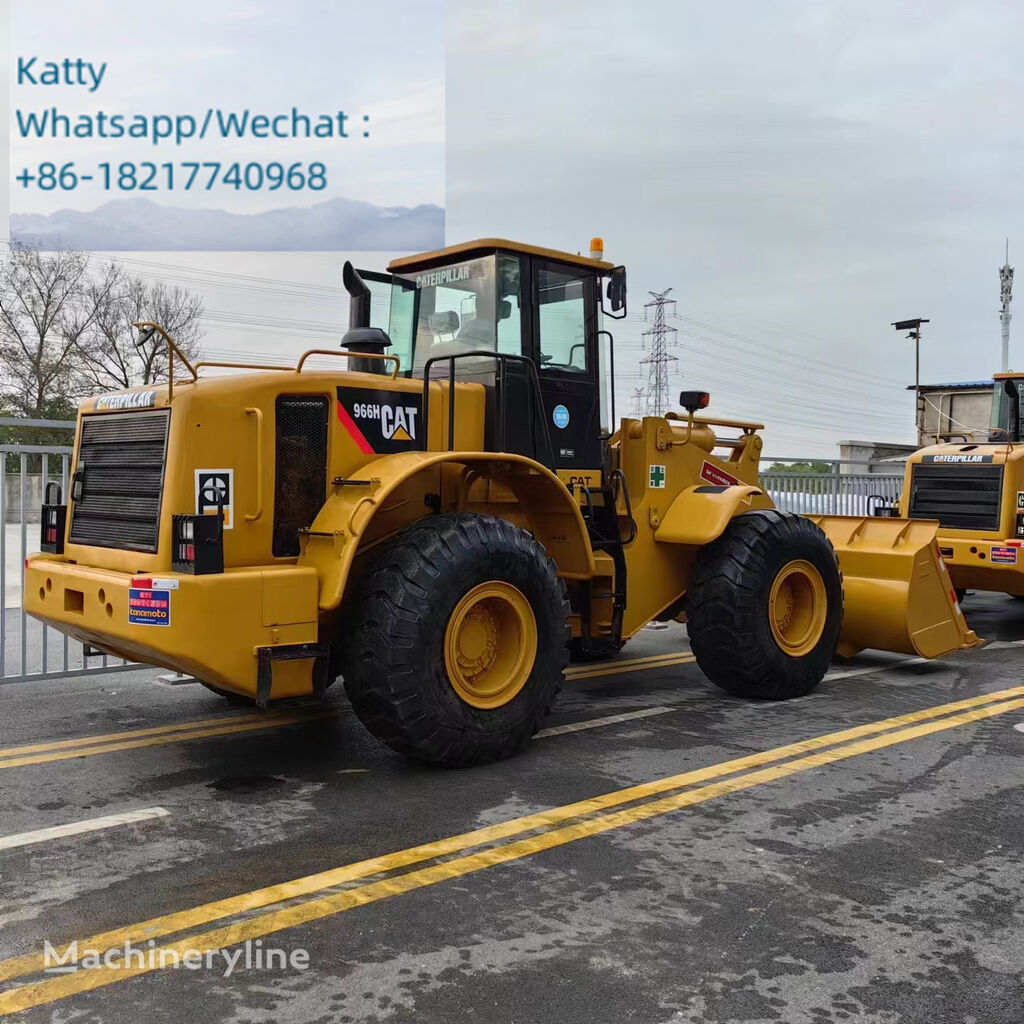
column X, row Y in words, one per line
column 765, row 606
column 456, row 640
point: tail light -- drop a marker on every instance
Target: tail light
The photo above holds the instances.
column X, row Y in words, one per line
column 198, row 544
column 52, row 521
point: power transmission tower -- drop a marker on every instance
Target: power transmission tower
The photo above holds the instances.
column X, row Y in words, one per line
column 658, row 359
column 1005, row 298
column 639, row 405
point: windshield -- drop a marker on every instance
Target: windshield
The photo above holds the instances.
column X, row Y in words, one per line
column 458, row 309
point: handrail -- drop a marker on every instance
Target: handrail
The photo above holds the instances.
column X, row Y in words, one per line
column 242, row 366
column 251, row 517
column 352, row 355
column 173, row 351
column 305, row 355
column 501, row 358
column 708, row 421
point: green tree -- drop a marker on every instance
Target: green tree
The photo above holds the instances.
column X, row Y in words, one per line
column 799, row 467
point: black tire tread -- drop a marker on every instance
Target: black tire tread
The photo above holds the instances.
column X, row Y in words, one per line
column 383, row 671
column 724, row 603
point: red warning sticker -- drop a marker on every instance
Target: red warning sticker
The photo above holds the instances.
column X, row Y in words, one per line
column 1007, row 556
column 714, row 475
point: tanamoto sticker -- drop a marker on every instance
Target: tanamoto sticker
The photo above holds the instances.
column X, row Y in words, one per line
column 714, row 475
column 1020, row 499
column 968, row 459
column 149, row 607
column 211, row 482
column 1008, row 556
column 380, row 421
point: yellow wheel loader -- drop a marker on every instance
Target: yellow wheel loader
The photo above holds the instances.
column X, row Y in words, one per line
column 447, row 514
column 975, row 490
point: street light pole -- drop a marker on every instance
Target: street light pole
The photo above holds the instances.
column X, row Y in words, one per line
column 914, row 326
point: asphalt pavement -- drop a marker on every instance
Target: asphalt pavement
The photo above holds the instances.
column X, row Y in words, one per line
column 662, row 852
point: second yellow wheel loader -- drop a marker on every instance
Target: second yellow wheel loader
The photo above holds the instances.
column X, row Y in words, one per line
column 445, row 516
column 975, row 489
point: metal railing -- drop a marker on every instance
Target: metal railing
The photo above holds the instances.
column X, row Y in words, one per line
column 842, row 490
column 28, row 648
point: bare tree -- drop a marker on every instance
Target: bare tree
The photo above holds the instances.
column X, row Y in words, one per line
column 109, row 357
column 48, row 301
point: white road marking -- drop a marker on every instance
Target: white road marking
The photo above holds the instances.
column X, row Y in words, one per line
column 1019, row 727
column 848, row 673
column 74, row 828
column 596, row 723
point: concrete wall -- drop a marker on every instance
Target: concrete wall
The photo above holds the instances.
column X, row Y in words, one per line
column 945, row 411
column 873, row 456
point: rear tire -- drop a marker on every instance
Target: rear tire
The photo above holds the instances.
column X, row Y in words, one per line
column 455, row 640
column 765, row 606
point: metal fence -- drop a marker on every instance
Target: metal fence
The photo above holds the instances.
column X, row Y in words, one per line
column 29, row 649
column 840, row 491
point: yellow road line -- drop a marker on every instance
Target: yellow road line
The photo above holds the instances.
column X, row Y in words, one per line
column 38, row 993
column 614, row 668
column 262, row 722
column 265, row 719
column 111, row 737
column 205, row 913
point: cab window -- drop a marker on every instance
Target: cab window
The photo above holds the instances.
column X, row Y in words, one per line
column 562, row 321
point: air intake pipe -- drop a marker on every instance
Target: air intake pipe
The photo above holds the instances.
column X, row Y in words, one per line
column 360, row 336
column 359, row 304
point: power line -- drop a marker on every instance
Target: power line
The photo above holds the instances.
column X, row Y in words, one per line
column 659, row 360
column 639, row 406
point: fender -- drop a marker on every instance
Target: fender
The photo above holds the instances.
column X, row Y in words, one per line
column 541, row 504
column 700, row 514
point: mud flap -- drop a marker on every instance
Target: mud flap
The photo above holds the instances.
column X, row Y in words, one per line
column 897, row 593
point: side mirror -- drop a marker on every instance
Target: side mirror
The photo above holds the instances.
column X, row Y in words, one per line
column 617, row 290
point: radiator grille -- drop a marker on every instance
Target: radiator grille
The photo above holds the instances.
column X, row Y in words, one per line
column 960, row 497
column 121, row 456
column 301, row 486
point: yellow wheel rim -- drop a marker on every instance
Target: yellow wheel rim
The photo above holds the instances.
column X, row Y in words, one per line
column 490, row 645
column 797, row 608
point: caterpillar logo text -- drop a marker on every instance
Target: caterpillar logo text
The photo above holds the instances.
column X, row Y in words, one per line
column 397, row 422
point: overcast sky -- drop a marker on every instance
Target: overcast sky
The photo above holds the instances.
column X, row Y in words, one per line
column 801, row 174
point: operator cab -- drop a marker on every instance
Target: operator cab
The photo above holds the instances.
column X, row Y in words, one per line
column 450, row 313
column 1007, row 423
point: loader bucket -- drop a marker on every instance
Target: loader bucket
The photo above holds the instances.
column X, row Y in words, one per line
column 897, row 595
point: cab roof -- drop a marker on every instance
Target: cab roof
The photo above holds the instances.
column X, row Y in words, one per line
column 484, row 246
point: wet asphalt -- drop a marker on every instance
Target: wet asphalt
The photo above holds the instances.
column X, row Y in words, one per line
column 881, row 886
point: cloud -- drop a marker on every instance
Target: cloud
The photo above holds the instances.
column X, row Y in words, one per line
column 802, row 174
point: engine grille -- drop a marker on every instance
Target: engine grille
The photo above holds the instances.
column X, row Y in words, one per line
column 122, row 456
column 301, row 486
column 960, row 497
